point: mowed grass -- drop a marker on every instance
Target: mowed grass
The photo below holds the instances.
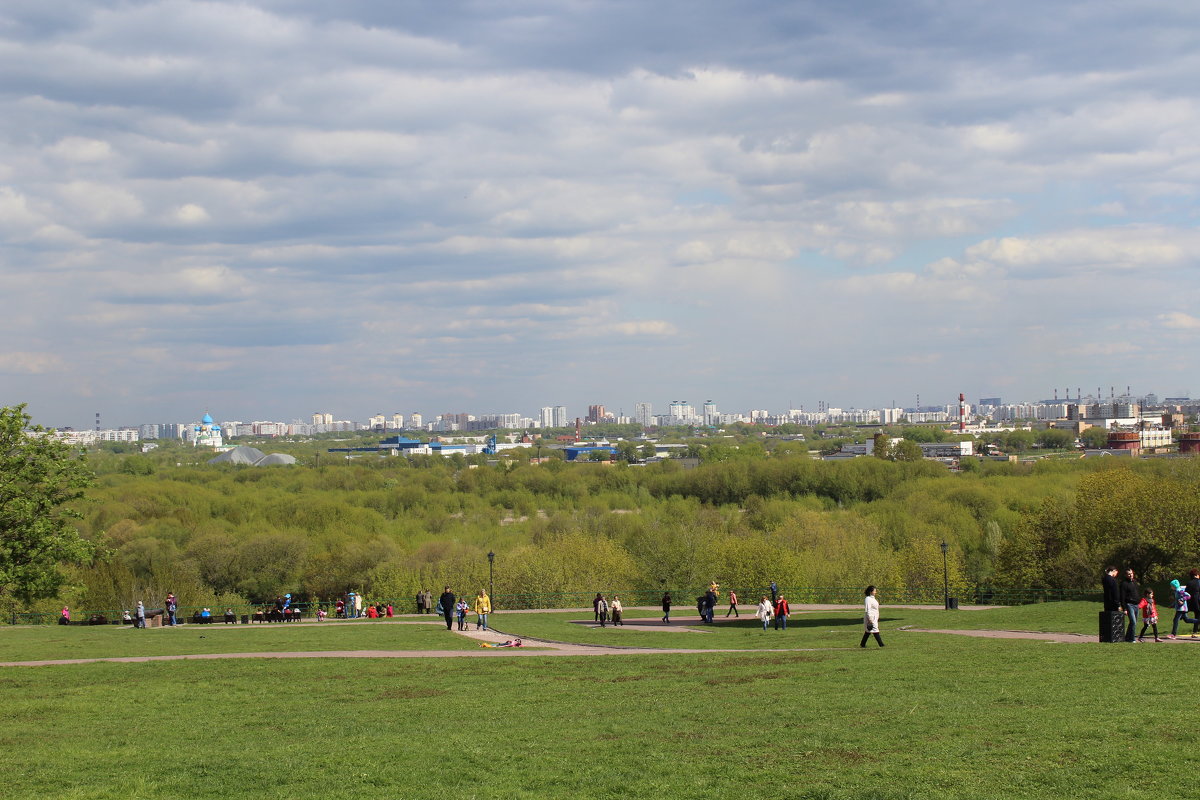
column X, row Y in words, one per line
column 929, row 716
column 805, row 629
column 45, row 642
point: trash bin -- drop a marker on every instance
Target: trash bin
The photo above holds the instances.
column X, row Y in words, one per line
column 951, row 603
column 245, row 619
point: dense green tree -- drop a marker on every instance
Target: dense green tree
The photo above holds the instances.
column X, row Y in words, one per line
column 39, row 477
column 1055, row 438
column 1095, row 438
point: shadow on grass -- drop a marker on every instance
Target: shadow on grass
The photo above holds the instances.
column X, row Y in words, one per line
column 800, row 621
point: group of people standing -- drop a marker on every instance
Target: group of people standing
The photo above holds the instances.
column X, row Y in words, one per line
column 602, row 607
column 452, row 608
column 1134, row 604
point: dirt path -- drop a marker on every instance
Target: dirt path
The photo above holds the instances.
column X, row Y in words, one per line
column 538, row 647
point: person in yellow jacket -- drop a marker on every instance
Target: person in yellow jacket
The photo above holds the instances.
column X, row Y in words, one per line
column 483, row 607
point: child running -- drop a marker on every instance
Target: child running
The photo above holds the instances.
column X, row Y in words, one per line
column 1149, row 615
column 1181, row 608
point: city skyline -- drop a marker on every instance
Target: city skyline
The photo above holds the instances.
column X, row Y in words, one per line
column 269, row 208
column 641, row 412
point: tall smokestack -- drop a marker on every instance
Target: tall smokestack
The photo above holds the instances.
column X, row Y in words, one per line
column 962, row 413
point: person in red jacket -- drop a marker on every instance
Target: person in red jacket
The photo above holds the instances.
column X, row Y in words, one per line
column 732, row 604
column 781, row 612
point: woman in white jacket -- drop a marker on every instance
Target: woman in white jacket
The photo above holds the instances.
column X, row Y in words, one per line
column 870, row 617
column 764, row 612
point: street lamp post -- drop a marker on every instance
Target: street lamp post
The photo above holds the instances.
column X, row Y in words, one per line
column 945, row 576
column 491, row 576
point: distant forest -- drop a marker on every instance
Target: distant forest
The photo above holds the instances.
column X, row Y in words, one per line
column 748, row 514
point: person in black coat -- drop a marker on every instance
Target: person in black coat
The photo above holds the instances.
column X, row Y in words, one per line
column 1193, row 588
column 1131, row 596
column 1112, row 592
column 448, row 601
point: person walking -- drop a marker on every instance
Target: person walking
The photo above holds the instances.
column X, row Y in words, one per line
column 139, row 616
column 1193, row 589
column 666, row 607
column 447, row 602
column 764, row 612
column 710, row 604
column 601, row 609
column 1182, row 600
column 1149, row 615
column 428, row 602
column 617, row 608
column 483, row 607
column 733, row 609
column 421, row 602
column 774, row 592
column 1131, row 598
column 171, row 607
column 596, row 606
column 870, row 617
column 781, row 612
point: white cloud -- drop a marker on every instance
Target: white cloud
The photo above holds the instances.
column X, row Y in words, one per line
column 191, row 214
column 497, row 193
column 1177, row 320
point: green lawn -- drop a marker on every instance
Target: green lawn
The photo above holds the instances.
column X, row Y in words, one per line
column 929, row 716
column 41, row 642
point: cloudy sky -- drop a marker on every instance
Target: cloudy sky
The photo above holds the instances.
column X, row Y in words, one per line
column 269, row 209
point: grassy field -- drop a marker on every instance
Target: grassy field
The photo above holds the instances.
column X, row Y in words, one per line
column 929, row 716
column 41, row 642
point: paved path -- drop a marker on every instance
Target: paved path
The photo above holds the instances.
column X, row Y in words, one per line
column 538, row 647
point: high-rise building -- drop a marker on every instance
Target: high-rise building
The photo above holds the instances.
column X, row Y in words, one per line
column 643, row 414
column 560, row 417
column 546, row 417
column 397, row 423
column 681, row 413
column 596, row 414
column 711, row 415
column 416, row 421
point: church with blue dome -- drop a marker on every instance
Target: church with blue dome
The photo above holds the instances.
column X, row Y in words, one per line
column 207, row 433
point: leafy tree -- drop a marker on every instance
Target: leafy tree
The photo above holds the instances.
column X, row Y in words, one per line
column 39, row 476
column 1019, row 441
column 1095, row 438
column 906, row 450
column 1055, row 438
